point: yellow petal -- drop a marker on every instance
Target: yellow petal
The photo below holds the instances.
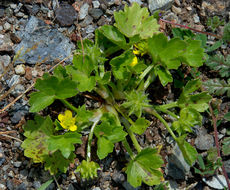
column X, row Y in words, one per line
column 61, row 117
column 134, row 62
column 136, row 52
column 73, row 128
column 64, row 126
column 68, row 114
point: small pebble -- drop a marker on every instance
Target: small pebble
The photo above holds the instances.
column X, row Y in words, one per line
column 83, row 11
column 176, row 10
column 20, row 14
column 13, row 6
column 20, row 69
column 177, row 2
column 189, row 8
column 2, row 187
column 11, row 174
column 96, row 4
column 196, row 18
column 17, row 164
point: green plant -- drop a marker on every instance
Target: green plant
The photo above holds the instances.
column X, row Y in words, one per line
column 226, row 34
column 119, row 67
column 211, row 163
column 214, row 22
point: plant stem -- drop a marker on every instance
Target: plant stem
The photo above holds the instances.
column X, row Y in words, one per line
column 90, row 140
column 153, row 112
column 128, row 148
column 131, row 134
column 167, row 111
column 68, row 105
column 217, row 144
column 167, row 106
column 142, row 76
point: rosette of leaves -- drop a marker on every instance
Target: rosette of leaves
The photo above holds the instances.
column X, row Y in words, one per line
column 88, row 169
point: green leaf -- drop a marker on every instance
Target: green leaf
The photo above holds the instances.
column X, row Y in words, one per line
column 37, row 132
column 218, row 63
column 65, row 143
column 189, row 152
column 194, row 53
column 108, row 133
column 140, row 125
column 188, row 118
column 182, row 33
column 145, row 167
column 167, row 52
column 199, row 102
column 136, row 101
column 56, row 162
column 215, row 46
column 121, row 63
column 192, row 86
column 163, row 74
column 114, row 35
column 226, row 146
column 45, row 185
column 217, row 86
column 83, row 115
column 227, row 116
column 87, row 169
column 135, row 20
column 226, row 34
column 51, row 88
column 84, row 82
column 60, row 72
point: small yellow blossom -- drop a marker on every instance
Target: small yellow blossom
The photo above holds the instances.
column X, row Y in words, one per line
column 136, row 52
column 134, row 62
column 67, row 121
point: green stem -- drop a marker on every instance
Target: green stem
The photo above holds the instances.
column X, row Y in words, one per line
column 90, row 139
column 167, row 111
column 167, row 106
column 128, row 148
column 131, row 134
column 142, row 76
column 68, row 105
column 153, row 112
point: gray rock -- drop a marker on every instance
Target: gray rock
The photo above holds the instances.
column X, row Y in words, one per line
column 159, row 4
column 227, row 166
column 71, row 187
column 4, row 61
column 11, row 174
column 36, row 184
column 216, row 182
column 127, row 186
column 13, row 6
column 52, row 46
column 196, row 18
column 16, row 117
column 2, row 157
column 6, row 167
column 87, row 21
column 96, row 188
column 9, row 12
column 66, row 15
column 96, row 4
column 5, row 43
column 9, row 185
column 137, row 1
column 20, row 14
column 33, row 9
column 204, row 141
column 96, row 13
column 7, row 26
column 118, row 177
column 19, row 88
column 2, row 12
column 13, row 80
column 89, row 29
column 177, row 167
column 83, row 11
column 24, row 172
column 1, row 28
column 17, row 9
column 17, row 164
column 22, row 186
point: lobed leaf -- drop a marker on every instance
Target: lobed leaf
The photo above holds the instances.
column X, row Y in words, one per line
column 135, row 20
column 87, row 169
column 145, row 167
column 140, row 125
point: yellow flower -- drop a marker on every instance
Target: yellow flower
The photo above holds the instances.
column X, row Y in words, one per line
column 134, row 62
column 67, row 121
column 136, row 52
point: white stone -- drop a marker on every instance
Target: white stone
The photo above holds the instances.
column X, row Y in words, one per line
column 216, row 182
column 96, row 4
column 137, row 1
column 196, row 18
column 13, row 6
column 5, row 60
column 159, row 4
column 20, row 69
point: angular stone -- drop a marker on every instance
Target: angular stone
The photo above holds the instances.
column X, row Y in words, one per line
column 83, row 11
column 5, row 43
column 96, row 13
column 46, row 44
column 159, row 4
column 32, row 9
column 204, row 141
column 66, row 14
column 2, row 12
